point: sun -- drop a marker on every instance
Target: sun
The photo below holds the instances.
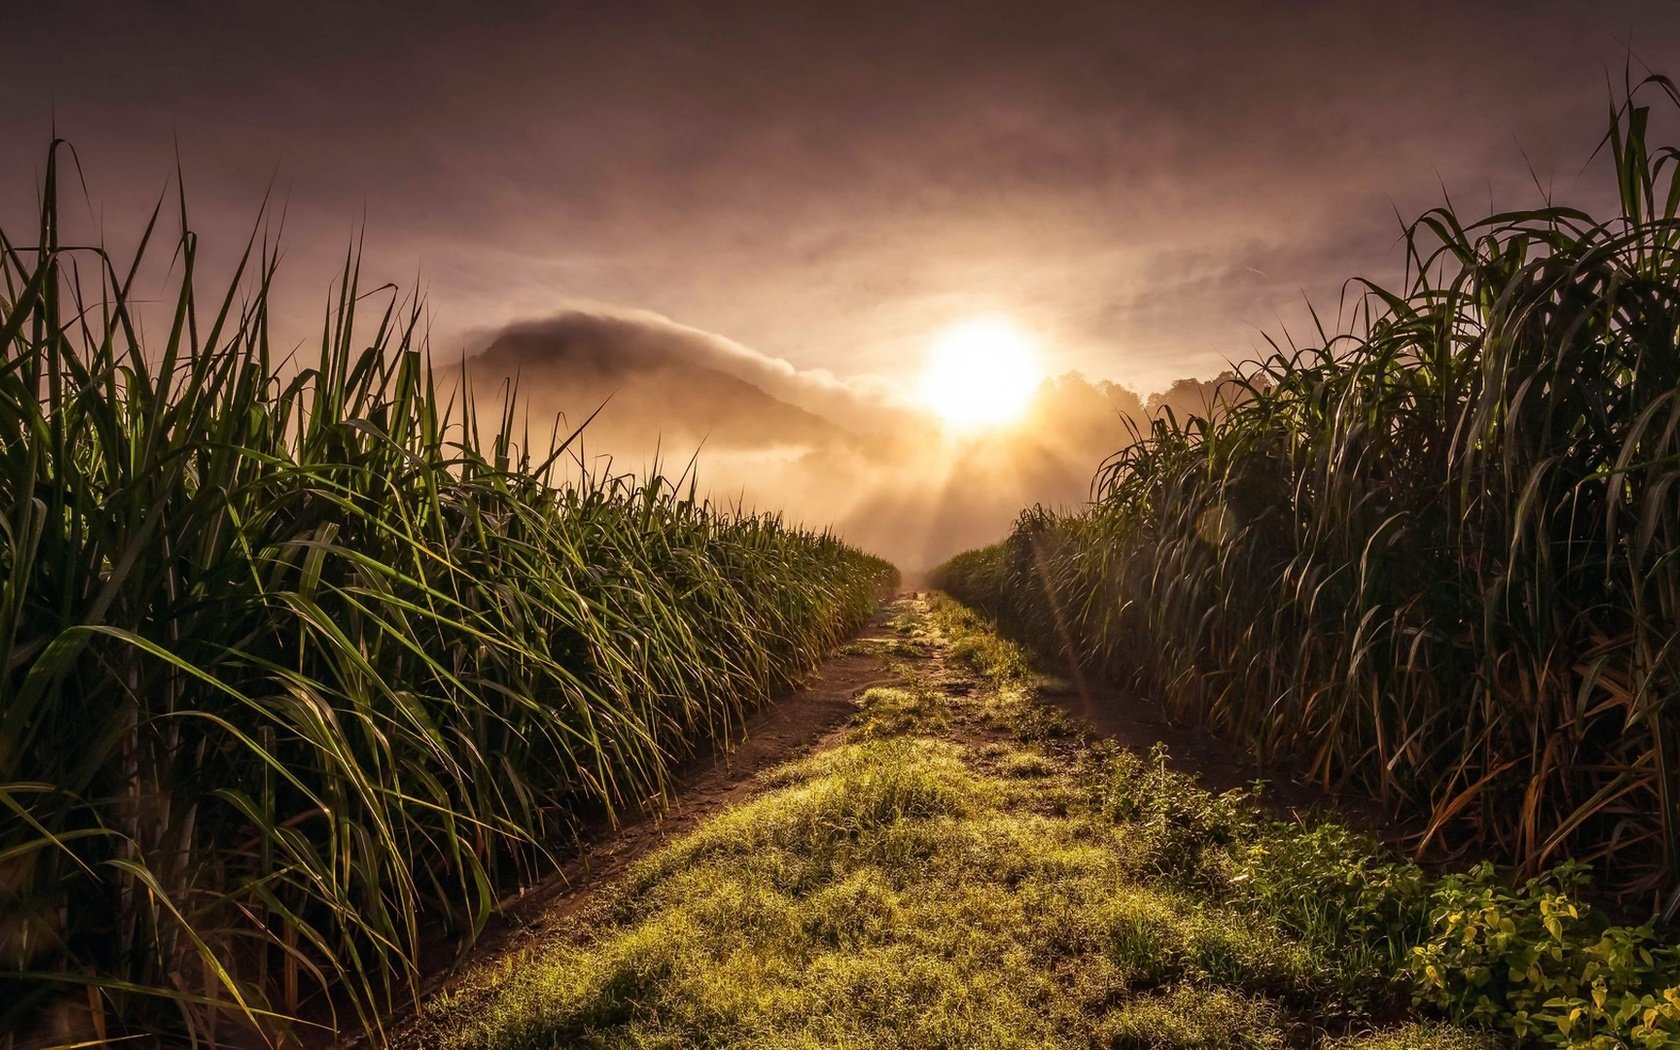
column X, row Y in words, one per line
column 981, row 373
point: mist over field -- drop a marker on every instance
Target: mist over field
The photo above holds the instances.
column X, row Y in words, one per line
column 938, row 524
column 857, row 454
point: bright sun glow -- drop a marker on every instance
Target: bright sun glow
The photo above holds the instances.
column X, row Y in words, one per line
column 981, row 373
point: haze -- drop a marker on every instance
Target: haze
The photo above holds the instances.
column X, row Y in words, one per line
column 749, row 223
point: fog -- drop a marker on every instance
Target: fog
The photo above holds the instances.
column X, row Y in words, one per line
column 857, row 456
column 1143, row 187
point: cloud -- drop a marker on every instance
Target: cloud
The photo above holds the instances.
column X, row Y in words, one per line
column 590, row 348
column 1141, row 186
column 820, row 449
column 833, row 184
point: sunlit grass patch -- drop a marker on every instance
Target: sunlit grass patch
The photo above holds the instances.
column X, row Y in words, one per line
column 903, row 648
column 1026, row 764
column 925, row 930
column 973, row 642
column 888, row 711
column 835, row 807
column 1419, row 1037
column 1188, row 1017
column 1010, row 704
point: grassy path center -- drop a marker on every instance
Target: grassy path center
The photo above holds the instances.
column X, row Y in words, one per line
column 957, row 866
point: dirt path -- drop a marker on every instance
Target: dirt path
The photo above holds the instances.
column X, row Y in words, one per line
column 812, row 719
column 1042, row 729
column 922, row 848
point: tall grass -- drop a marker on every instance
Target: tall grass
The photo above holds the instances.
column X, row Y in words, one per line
column 1437, row 558
column 296, row 664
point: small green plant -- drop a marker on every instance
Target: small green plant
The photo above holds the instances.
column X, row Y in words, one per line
column 1334, row 887
column 1540, row 963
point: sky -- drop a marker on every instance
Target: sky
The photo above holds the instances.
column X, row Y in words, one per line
column 1148, row 189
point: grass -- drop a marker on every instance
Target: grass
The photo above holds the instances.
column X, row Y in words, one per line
column 1435, row 558
column 965, row 870
column 303, row 659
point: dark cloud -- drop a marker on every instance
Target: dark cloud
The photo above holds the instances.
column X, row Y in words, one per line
column 1146, row 186
column 1145, row 183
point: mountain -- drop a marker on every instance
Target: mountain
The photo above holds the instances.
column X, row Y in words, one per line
column 651, row 384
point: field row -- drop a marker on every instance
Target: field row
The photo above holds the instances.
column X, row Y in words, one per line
column 305, row 665
column 1436, row 560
